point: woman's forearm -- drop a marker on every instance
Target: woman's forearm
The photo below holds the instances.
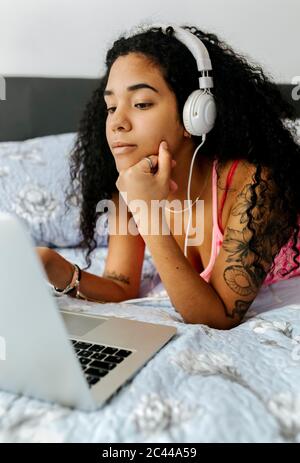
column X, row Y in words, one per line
column 95, row 288
column 194, row 298
column 100, row 289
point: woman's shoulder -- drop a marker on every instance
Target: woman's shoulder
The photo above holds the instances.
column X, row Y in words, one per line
column 236, row 194
column 242, row 175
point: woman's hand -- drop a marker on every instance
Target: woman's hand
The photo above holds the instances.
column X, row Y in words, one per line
column 139, row 183
column 59, row 271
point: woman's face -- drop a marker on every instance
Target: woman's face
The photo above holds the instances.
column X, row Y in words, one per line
column 141, row 117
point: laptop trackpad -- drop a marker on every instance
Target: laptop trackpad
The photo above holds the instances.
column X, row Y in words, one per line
column 79, row 326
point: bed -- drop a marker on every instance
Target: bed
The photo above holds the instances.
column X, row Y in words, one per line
column 206, row 385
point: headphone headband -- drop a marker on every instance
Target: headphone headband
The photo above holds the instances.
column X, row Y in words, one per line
column 196, row 47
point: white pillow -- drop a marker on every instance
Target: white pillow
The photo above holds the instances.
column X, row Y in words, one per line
column 34, row 175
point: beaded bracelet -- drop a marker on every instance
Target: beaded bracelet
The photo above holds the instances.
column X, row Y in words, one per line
column 73, row 284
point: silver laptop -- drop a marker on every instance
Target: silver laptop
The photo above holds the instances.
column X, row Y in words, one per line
column 72, row 359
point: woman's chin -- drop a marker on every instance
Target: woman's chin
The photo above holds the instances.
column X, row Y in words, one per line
column 125, row 163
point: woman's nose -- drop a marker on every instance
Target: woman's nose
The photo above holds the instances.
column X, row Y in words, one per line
column 120, row 122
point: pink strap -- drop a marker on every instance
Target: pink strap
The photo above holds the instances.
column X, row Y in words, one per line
column 228, row 183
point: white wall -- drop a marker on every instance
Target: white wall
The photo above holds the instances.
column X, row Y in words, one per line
column 70, row 37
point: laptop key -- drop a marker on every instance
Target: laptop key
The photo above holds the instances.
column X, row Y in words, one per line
column 83, row 360
column 98, row 356
column 109, row 350
column 92, row 380
column 114, row 359
column 82, row 345
column 104, row 365
column 96, row 372
column 85, row 353
column 96, row 347
column 124, row 353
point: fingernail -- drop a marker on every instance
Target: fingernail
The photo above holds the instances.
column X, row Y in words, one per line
column 164, row 145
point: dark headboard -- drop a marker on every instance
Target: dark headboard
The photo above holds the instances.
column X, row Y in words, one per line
column 38, row 106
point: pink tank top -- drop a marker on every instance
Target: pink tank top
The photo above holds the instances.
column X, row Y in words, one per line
column 283, row 261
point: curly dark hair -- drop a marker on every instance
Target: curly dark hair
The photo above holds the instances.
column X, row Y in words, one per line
column 249, row 126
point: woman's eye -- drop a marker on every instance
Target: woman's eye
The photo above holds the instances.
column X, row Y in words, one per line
column 143, row 105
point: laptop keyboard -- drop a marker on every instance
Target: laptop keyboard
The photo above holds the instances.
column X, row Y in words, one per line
column 98, row 360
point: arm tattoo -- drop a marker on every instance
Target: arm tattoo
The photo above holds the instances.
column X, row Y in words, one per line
column 246, row 271
column 239, row 309
column 240, row 280
column 115, row 276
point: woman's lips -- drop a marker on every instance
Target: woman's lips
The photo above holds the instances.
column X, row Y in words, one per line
column 123, row 149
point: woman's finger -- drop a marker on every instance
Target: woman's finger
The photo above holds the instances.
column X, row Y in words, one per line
column 173, row 185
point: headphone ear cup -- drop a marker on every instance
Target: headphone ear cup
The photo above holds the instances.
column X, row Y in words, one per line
column 199, row 113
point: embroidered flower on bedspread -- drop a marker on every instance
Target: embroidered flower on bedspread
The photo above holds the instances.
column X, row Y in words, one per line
column 292, row 344
column 260, row 325
column 154, row 414
column 35, row 204
column 209, row 363
column 285, row 407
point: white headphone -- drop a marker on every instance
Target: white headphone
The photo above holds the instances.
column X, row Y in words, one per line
column 199, row 112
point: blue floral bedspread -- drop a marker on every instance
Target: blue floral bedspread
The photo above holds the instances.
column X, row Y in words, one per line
column 205, row 385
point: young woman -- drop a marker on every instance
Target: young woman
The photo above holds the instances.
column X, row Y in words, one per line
column 246, row 173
